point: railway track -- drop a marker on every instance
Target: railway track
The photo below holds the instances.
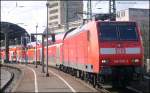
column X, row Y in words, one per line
column 101, row 89
column 128, row 89
column 15, row 76
column 106, row 88
column 121, row 90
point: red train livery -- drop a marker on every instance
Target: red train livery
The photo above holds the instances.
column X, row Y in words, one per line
column 99, row 51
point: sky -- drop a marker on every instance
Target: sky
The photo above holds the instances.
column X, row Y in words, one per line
column 28, row 14
column 102, row 6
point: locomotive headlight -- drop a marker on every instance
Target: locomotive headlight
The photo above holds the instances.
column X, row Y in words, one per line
column 135, row 60
column 104, row 61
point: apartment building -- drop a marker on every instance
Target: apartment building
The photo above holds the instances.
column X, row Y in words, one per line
column 62, row 12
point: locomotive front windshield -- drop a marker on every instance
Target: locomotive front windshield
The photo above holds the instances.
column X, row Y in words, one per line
column 118, row 31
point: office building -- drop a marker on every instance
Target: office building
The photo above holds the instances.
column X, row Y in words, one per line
column 63, row 12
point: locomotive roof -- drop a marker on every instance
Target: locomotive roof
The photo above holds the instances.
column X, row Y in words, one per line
column 75, row 30
column 72, row 29
column 80, row 28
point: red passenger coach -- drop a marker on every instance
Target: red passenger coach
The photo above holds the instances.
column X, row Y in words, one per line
column 31, row 55
column 13, row 54
column 55, row 51
column 2, row 57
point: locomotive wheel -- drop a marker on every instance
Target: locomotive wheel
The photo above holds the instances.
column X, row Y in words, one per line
column 67, row 70
column 75, row 72
column 101, row 79
column 64, row 69
column 78, row 74
column 90, row 78
column 82, row 75
column 72, row 71
column 94, row 83
column 59, row 67
column 86, row 76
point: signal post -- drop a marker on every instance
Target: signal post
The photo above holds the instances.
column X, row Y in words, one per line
column 53, row 39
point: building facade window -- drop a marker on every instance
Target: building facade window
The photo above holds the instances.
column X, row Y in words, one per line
column 53, row 11
column 53, row 23
column 118, row 14
column 122, row 13
column 53, row 17
column 53, row 5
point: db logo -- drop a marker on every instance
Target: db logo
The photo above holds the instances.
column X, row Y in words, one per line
column 120, row 51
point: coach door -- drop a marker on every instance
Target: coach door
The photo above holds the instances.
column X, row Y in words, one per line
column 11, row 56
column 58, row 54
column 40, row 56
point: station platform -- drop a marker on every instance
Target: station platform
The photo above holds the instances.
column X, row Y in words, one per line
column 33, row 79
column 5, row 77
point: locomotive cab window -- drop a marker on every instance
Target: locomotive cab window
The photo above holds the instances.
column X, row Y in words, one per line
column 117, row 31
column 127, row 32
column 108, row 32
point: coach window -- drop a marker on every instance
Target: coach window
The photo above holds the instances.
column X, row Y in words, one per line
column 123, row 13
column 108, row 31
column 128, row 32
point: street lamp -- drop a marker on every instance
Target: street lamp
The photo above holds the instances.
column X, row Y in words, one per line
column 36, row 48
column 25, row 46
column 66, row 13
column 47, row 74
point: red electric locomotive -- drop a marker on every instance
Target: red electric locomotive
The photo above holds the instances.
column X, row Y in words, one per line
column 102, row 51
